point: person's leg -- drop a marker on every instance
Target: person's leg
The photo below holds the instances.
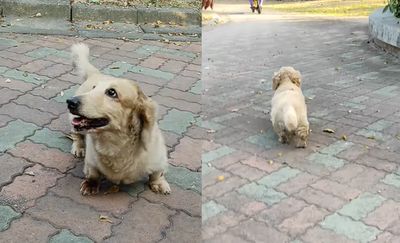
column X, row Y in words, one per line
column 251, row 3
column 260, row 2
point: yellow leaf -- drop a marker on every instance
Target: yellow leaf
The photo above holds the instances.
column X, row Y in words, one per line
column 221, row 178
column 328, row 130
column 104, row 218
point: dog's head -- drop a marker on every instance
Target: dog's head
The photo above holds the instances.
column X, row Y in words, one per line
column 112, row 104
column 286, row 74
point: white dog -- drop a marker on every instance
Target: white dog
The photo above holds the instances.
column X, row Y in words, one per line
column 289, row 110
column 115, row 128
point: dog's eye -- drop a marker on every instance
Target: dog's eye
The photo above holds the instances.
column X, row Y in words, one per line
column 111, row 93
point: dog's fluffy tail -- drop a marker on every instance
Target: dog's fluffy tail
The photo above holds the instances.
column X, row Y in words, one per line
column 290, row 119
column 80, row 60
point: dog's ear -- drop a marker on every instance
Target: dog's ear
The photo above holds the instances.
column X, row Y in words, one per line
column 295, row 77
column 147, row 111
column 276, row 80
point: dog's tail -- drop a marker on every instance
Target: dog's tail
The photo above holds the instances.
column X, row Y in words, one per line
column 80, row 60
column 290, row 119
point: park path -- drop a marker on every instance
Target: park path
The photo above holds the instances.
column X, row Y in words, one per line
column 345, row 186
column 40, row 179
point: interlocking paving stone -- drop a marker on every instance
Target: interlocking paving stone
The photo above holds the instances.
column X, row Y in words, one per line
column 275, row 178
column 261, row 193
column 15, row 132
column 8, row 42
column 392, row 179
column 216, row 154
column 52, row 139
column 355, row 230
column 210, row 209
column 25, row 76
column 177, row 121
column 184, row 178
column 66, row 236
column 360, row 207
column 66, row 94
column 267, row 140
column 326, row 160
column 45, row 52
column 7, row 214
column 197, row 88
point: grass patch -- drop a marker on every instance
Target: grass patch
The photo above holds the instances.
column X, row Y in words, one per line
column 328, row 7
column 194, row 4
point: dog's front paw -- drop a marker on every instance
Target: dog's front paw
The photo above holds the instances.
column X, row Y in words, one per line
column 160, row 186
column 77, row 150
column 90, row 187
column 301, row 144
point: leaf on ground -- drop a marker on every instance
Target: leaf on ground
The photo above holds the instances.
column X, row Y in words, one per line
column 104, row 218
column 270, row 162
column 371, row 137
column 221, row 178
column 8, row 80
column 343, row 137
column 211, row 131
column 114, row 67
column 328, row 130
column 235, row 110
column 30, row 173
column 280, row 154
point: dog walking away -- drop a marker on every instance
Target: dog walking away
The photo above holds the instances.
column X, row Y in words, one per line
column 115, row 128
column 289, row 110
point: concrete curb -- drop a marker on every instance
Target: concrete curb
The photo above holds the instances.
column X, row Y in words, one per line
column 78, row 12
column 384, row 29
column 47, row 8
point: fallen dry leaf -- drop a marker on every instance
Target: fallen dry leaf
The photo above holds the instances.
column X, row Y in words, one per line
column 344, row 137
column 328, row 130
column 30, row 173
column 114, row 67
column 270, row 162
column 371, row 137
column 211, row 131
column 8, row 80
column 235, row 110
column 280, row 154
column 104, row 218
column 221, row 178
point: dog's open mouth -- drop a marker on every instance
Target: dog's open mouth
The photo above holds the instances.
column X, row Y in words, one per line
column 84, row 123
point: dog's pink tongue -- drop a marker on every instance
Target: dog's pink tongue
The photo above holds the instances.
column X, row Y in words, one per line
column 76, row 121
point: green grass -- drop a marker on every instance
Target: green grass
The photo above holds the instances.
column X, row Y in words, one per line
column 328, row 7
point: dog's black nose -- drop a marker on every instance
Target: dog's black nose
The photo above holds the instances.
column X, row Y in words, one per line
column 73, row 103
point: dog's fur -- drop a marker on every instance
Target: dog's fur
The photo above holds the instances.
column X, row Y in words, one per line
column 131, row 146
column 289, row 110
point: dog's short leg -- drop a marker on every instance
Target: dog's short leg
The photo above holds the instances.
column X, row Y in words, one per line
column 91, row 185
column 302, row 136
column 78, row 145
column 283, row 137
column 158, row 183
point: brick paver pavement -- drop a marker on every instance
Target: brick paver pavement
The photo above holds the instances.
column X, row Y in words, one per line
column 40, row 179
column 344, row 187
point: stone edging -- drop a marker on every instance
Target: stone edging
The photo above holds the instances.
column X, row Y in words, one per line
column 63, row 10
column 384, row 29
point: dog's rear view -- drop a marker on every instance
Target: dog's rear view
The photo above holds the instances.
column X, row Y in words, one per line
column 289, row 111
